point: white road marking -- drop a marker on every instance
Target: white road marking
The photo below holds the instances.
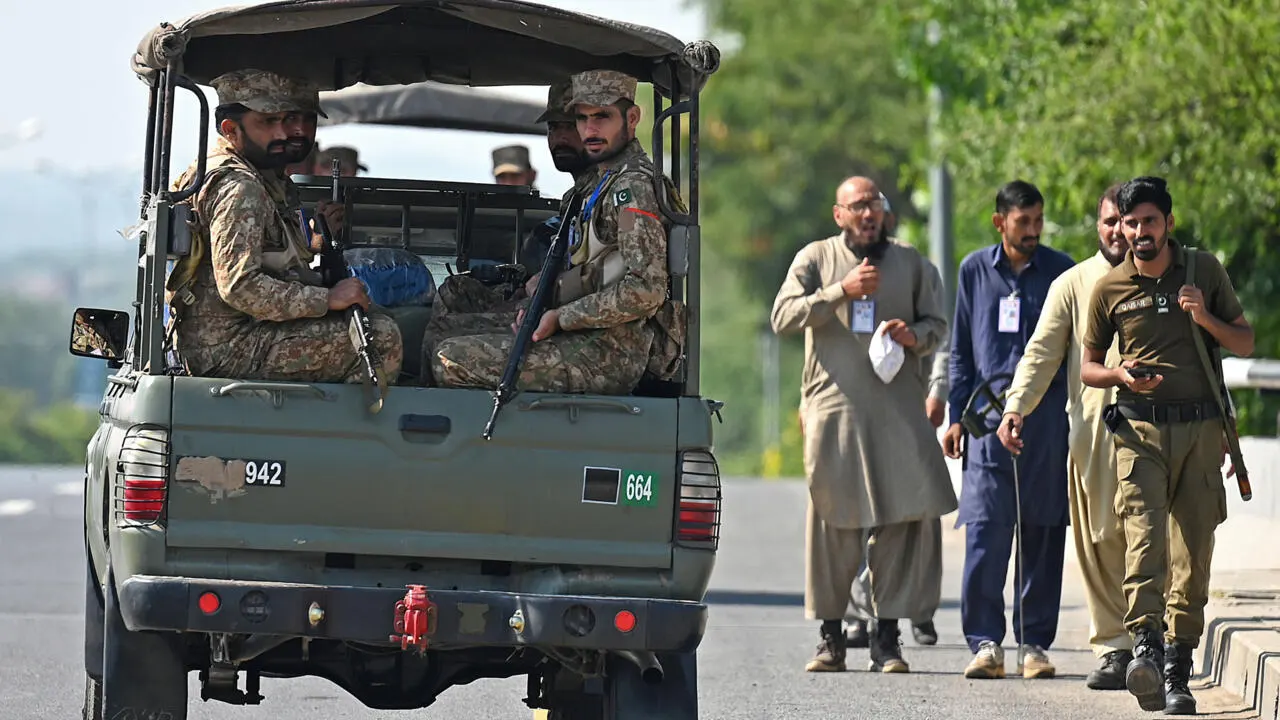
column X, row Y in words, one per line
column 69, row 488
column 16, row 507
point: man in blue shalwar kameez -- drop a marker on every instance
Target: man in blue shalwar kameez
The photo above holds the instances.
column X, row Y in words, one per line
column 999, row 295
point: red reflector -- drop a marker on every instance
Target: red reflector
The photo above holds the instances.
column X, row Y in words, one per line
column 209, row 603
column 625, row 621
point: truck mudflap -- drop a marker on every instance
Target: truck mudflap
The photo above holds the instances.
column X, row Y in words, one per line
column 445, row 618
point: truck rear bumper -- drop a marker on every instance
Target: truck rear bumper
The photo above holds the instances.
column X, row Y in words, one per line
column 367, row 614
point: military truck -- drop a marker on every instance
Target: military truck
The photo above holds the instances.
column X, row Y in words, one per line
column 241, row 529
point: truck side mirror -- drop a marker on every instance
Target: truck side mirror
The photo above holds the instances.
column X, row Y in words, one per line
column 97, row 333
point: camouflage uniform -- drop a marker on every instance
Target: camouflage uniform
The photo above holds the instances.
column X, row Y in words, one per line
column 253, row 308
column 466, row 306
column 616, row 282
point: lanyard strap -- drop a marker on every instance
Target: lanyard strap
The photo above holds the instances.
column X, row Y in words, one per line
column 591, row 202
column 585, row 217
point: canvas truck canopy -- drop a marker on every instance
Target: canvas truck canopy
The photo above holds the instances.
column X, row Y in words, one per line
column 338, row 43
column 432, row 104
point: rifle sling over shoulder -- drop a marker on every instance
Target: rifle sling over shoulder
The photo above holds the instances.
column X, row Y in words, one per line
column 1213, row 373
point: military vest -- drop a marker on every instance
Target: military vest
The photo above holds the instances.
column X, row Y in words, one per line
column 290, row 262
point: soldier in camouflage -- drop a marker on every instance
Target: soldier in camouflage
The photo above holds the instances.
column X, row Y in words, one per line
column 465, row 294
column 245, row 302
column 596, row 337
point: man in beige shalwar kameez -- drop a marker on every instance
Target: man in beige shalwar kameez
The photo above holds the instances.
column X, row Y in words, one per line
column 877, row 479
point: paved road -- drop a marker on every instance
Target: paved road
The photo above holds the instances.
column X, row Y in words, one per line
column 751, row 662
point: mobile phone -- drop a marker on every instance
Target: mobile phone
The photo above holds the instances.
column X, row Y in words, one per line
column 1142, row 373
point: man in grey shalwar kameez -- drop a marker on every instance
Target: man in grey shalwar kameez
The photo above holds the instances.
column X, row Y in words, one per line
column 877, row 480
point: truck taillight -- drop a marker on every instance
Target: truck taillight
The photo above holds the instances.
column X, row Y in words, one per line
column 698, row 512
column 142, row 475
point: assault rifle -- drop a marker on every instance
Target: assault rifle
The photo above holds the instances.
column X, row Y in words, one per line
column 333, row 267
column 551, row 267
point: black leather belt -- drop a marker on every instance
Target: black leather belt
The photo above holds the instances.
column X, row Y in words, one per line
column 1169, row 412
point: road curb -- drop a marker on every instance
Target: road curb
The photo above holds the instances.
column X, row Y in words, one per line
column 1241, row 654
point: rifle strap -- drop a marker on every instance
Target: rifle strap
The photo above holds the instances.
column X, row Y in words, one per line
column 1219, row 389
column 1189, row 258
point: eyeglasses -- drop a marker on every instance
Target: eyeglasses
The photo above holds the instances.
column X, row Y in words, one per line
column 872, row 204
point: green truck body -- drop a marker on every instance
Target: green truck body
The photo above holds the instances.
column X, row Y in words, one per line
column 243, row 530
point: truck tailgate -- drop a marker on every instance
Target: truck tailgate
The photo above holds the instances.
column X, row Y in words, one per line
column 297, row 467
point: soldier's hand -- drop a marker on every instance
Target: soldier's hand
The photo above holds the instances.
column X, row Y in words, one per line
column 1191, row 300
column 335, row 214
column 862, row 280
column 1137, row 385
column 900, row 333
column 548, row 325
column 936, row 409
column 531, row 285
column 348, row 292
column 951, row 441
column 1010, row 432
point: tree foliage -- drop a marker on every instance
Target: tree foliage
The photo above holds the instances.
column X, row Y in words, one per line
column 32, row 435
column 1075, row 96
column 805, row 96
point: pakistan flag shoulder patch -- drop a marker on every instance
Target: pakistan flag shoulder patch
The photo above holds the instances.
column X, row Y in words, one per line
column 622, row 197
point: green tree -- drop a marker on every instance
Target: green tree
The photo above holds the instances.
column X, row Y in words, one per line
column 805, row 96
column 1076, row 96
column 55, row 435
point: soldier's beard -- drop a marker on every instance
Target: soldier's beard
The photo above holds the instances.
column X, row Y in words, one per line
column 278, row 153
column 613, row 148
column 568, row 160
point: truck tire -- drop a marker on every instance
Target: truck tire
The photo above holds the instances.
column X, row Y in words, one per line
column 92, row 709
column 144, row 674
column 94, row 624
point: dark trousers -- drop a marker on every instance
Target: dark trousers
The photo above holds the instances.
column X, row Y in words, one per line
column 988, row 550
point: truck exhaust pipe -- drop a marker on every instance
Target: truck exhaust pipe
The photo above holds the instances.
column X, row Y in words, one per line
column 650, row 668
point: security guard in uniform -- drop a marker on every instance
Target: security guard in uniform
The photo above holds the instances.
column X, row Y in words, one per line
column 1168, row 433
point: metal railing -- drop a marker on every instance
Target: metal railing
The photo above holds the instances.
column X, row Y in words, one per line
column 1262, row 374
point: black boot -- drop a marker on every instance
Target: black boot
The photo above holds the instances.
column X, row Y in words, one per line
column 857, row 637
column 1110, row 675
column 1143, row 676
column 1177, row 673
column 886, row 649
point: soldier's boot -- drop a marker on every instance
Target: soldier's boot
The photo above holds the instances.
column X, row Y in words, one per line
column 886, row 648
column 1177, row 673
column 1110, row 674
column 1143, row 677
column 831, row 649
column 857, row 636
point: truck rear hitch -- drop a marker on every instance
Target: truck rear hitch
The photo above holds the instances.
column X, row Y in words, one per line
column 414, row 619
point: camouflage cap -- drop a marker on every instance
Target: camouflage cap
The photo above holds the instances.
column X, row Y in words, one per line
column 558, row 97
column 511, row 159
column 601, row 87
column 267, row 92
column 348, row 156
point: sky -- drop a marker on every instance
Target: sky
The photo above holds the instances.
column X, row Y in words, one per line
column 83, row 110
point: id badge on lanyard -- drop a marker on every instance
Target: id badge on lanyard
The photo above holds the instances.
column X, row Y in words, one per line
column 862, row 316
column 1010, row 314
